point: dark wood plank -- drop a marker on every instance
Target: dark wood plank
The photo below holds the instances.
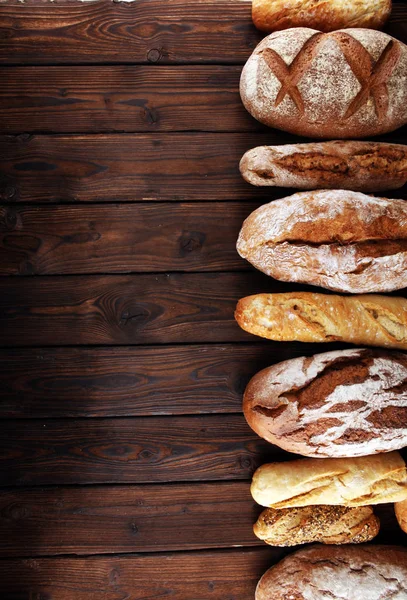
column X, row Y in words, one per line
column 130, row 381
column 131, row 309
column 214, row 31
column 143, row 167
column 120, row 238
column 231, row 574
column 138, row 450
column 122, row 98
column 148, row 518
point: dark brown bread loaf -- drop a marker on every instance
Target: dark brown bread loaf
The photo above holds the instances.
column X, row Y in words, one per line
column 336, row 404
column 346, row 165
column 341, row 240
column 366, row 572
column 349, row 83
column 324, row 524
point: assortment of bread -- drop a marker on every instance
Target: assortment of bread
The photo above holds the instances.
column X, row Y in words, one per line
column 325, row 72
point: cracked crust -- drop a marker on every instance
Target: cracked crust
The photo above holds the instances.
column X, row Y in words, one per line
column 369, row 572
column 341, row 240
column 344, row 403
column 358, row 481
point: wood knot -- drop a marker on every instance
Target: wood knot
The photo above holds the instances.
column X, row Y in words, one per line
column 191, row 241
column 9, row 220
column 8, row 192
column 154, row 55
column 133, row 528
column 246, row 463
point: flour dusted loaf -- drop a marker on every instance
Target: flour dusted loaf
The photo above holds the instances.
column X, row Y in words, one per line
column 347, row 165
column 368, row 572
column 324, row 524
column 358, row 481
column 336, row 404
column 370, row 320
column 272, row 15
column 346, row 84
column 400, row 509
column 341, row 240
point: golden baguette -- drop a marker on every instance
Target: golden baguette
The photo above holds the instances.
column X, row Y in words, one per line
column 360, row 481
column 370, row 319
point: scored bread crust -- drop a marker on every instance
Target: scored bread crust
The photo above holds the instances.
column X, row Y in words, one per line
column 349, row 83
column 341, row 240
column 324, row 524
column 367, row 572
column 347, row 165
column 370, row 320
column 274, row 15
column 358, row 481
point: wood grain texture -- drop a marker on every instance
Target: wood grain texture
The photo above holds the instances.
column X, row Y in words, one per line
column 131, row 381
column 122, row 98
column 137, row 168
column 139, row 450
column 231, row 574
column 106, row 519
column 127, row 309
column 120, row 238
column 214, row 31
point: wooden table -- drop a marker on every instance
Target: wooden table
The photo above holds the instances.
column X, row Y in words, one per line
column 125, row 458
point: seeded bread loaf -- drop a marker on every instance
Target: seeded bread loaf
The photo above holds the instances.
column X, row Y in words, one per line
column 347, row 165
column 341, row 240
column 344, row 403
column 349, row 83
column 324, row 524
column 370, row 320
column 358, row 481
column 273, row 15
column 367, row 572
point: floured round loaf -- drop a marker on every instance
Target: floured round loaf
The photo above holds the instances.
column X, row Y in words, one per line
column 341, row 240
column 350, row 83
column 336, row 404
column 368, row 572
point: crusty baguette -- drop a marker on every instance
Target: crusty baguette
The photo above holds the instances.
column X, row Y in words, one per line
column 338, row 404
column 338, row 239
column 400, row 509
column 347, row 165
column 358, row 481
column 274, row 15
column 324, row 524
column 367, row 572
column 345, row 84
column 370, row 319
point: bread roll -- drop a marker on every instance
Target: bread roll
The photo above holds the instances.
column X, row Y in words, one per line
column 345, row 403
column 340, row 240
column 347, row 165
column 370, row 320
column 400, row 509
column 366, row 572
column 345, row 481
column 324, row 524
column 349, row 83
column 274, row 15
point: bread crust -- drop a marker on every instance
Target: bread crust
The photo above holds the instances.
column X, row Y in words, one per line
column 274, row 15
column 347, row 165
column 358, row 481
column 324, row 524
column 400, row 508
column 368, row 572
column 341, row 240
column 370, row 320
column 339, row 404
column 349, row 83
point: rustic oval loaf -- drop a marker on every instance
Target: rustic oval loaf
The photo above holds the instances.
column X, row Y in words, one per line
column 341, row 164
column 336, row 404
column 325, row 524
column 341, row 240
column 273, row 15
column 367, row 572
column 345, row 84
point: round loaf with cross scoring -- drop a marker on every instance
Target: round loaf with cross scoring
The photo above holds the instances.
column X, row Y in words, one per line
column 345, row 84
